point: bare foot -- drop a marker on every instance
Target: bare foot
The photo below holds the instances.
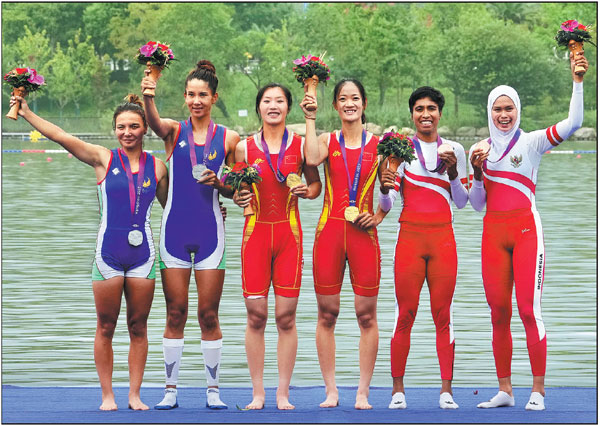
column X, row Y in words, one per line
column 258, row 403
column 136, row 404
column 284, row 404
column 362, row 403
column 331, row 400
column 108, row 403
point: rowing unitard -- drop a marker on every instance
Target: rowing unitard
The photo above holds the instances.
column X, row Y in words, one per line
column 426, row 249
column 512, row 248
column 272, row 241
column 115, row 256
column 192, row 223
column 338, row 240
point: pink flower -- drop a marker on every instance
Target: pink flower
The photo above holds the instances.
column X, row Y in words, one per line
column 148, row 49
column 302, row 61
column 34, row 77
column 569, row 25
column 170, row 54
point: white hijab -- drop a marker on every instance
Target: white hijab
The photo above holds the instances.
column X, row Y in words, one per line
column 501, row 139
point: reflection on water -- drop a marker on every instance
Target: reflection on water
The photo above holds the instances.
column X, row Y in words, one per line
column 49, row 224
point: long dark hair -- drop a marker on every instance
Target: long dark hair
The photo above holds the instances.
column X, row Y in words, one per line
column 131, row 103
column 205, row 71
column 261, row 92
column 361, row 89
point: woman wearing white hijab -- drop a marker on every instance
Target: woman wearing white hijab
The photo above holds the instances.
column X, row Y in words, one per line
column 512, row 250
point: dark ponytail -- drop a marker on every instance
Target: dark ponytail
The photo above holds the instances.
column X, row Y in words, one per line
column 204, row 71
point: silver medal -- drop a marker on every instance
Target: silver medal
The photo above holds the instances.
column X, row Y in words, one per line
column 135, row 237
column 197, row 171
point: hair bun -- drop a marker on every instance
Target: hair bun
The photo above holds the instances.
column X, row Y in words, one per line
column 132, row 98
column 206, row 65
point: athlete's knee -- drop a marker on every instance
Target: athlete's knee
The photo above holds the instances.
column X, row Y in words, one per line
column 176, row 316
column 286, row 321
column 257, row 320
column 501, row 315
column 328, row 318
column 366, row 319
column 405, row 321
column 106, row 326
column 527, row 315
column 208, row 319
column 441, row 317
column 137, row 327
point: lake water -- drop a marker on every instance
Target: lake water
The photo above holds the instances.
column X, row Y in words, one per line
column 49, row 224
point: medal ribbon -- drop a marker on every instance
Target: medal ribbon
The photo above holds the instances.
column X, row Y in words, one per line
column 207, row 142
column 278, row 175
column 135, row 191
column 353, row 185
column 512, row 143
column 440, row 166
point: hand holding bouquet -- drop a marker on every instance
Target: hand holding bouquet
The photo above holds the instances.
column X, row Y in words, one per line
column 156, row 56
column 309, row 71
column 572, row 34
column 23, row 81
column 396, row 147
column 241, row 176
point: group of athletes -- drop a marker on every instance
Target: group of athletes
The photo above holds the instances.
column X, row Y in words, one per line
column 503, row 178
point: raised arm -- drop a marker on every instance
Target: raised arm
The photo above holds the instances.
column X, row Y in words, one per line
column 552, row 136
column 165, row 128
column 95, row 155
column 315, row 149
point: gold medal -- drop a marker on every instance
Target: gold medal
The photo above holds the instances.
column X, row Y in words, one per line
column 293, row 180
column 351, row 213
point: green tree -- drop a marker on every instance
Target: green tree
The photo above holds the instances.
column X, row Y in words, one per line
column 60, row 20
column 96, row 24
column 78, row 74
column 481, row 52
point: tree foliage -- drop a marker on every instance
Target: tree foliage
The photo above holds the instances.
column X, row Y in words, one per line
column 465, row 49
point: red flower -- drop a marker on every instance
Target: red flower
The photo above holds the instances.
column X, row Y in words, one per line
column 21, row 70
column 239, row 166
column 163, row 46
column 582, row 27
column 315, row 58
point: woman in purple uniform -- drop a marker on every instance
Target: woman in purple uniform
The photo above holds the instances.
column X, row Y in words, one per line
column 128, row 180
column 192, row 234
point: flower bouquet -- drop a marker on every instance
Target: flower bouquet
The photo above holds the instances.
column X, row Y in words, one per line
column 23, row 81
column 156, row 56
column 241, row 176
column 572, row 34
column 309, row 71
column 396, row 147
